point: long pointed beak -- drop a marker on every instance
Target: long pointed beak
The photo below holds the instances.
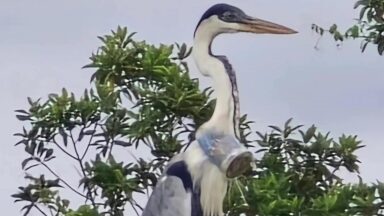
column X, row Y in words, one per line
column 254, row 25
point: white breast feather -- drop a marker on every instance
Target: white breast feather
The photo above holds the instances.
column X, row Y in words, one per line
column 213, row 183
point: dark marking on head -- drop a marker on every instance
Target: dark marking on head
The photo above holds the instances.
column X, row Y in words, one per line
column 225, row 12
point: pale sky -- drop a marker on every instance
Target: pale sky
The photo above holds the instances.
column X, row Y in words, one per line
column 44, row 44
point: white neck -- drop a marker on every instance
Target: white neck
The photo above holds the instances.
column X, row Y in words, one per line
column 223, row 116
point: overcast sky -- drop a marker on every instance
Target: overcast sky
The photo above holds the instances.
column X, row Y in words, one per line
column 44, row 44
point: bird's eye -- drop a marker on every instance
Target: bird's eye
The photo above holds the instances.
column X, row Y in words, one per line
column 228, row 15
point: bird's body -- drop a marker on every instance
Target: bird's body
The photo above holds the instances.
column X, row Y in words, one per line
column 176, row 193
column 195, row 181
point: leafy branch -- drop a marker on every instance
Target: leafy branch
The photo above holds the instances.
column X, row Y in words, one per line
column 369, row 26
column 142, row 97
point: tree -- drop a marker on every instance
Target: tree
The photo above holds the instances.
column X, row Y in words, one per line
column 143, row 97
column 369, row 26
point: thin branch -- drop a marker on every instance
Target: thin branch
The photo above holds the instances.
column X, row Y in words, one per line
column 317, row 43
column 111, row 148
column 50, row 210
column 62, row 149
column 89, row 143
column 62, row 180
column 241, row 192
column 137, row 205
column 134, row 208
column 89, row 192
column 41, row 211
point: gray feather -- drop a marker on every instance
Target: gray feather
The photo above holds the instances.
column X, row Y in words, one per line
column 169, row 198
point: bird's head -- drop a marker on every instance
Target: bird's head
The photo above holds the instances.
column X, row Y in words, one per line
column 224, row 18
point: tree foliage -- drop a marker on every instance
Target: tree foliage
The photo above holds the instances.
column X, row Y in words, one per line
column 369, row 26
column 143, row 97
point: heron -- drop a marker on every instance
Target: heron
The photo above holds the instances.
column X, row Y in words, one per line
column 194, row 183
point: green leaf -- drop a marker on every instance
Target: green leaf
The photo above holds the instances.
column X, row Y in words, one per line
column 26, row 161
column 48, row 153
column 275, row 128
column 64, row 135
column 23, row 117
column 380, row 47
column 122, row 143
column 333, row 29
column 22, row 111
column 307, row 136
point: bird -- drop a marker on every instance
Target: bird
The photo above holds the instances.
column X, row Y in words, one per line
column 194, row 182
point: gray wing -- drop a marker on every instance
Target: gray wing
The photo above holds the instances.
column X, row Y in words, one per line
column 169, row 198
